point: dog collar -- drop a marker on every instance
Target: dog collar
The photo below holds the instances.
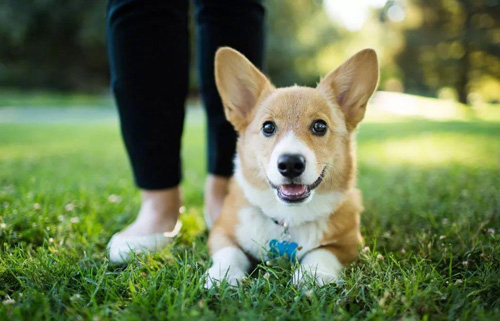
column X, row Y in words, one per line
column 283, row 247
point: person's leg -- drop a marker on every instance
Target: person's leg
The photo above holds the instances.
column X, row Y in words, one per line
column 149, row 59
column 238, row 24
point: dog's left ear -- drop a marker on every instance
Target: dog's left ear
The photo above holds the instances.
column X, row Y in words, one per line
column 240, row 85
column 352, row 84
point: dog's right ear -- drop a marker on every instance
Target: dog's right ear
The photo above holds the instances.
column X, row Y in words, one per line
column 240, row 85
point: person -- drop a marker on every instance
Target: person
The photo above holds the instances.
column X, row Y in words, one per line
column 148, row 51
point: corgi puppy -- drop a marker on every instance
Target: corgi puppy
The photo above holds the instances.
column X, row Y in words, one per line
column 294, row 188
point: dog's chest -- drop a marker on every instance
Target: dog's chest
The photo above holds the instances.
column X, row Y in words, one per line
column 255, row 231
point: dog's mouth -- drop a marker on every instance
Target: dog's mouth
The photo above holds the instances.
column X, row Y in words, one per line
column 296, row 193
column 293, row 193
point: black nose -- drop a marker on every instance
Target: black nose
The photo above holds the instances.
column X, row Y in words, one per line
column 291, row 166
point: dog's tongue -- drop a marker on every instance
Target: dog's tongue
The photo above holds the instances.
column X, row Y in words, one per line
column 293, row 189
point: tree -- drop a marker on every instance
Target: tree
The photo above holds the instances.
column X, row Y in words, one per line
column 53, row 44
column 455, row 44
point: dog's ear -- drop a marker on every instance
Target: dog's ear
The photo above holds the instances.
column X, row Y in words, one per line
column 352, row 84
column 240, row 84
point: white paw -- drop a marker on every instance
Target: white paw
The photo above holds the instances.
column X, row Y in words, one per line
column 320, row 266
column 215, row 275
column 308, row 273
column 230, row 263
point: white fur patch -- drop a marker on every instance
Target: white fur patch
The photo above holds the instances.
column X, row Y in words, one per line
column 319, row 205
column 255, row 230
column 290, row 144
column 229, row 263
column 321, row 265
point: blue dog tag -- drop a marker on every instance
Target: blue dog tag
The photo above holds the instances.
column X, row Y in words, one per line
column 283, row 248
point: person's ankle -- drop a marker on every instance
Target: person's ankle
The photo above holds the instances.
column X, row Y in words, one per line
column 159, row 212
column 163, row 202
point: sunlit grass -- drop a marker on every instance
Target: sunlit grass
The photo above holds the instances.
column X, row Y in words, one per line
column 431, row 224
column 430, row 150
column 391, row 106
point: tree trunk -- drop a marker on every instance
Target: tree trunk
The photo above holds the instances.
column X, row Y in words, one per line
column 464, row 62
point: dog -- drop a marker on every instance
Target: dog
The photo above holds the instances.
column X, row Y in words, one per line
column 293, row 192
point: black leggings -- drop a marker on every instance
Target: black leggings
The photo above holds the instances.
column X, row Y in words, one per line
column 148, row 49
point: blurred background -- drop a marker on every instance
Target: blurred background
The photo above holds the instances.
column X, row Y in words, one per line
column 52, row 51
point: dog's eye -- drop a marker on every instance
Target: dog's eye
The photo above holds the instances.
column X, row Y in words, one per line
column 269, row 128
column 319, row 127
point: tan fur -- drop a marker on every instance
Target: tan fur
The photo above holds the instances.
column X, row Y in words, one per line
column 340, row 100
column 222, row 233
column 344, row 236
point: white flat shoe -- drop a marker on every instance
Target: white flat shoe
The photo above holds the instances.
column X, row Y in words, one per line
column 121, row 248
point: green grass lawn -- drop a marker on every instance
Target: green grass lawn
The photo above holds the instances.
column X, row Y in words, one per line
column 431, row 192
column 27, row 98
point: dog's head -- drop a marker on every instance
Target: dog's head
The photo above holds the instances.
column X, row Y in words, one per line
column 295, row 141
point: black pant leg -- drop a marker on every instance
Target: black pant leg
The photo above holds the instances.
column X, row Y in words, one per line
column 240, row 25
column 148, row 49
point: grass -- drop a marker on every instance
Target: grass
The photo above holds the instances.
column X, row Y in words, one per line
column 43, row 98
column 431, row 224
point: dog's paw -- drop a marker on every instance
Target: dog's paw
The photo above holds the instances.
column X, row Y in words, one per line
column 321, row 266
column 229, row 263
column 305, row 274
column 215, row 275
